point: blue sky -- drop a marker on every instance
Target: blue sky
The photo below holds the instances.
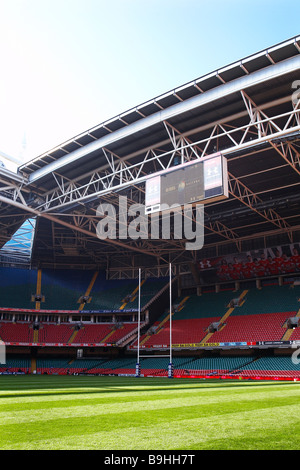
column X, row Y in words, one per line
column 68, row 65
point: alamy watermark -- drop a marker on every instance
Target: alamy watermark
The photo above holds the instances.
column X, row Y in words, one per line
column 172, row 222
column 296, row 357
column 296, row 93
column 2, row 353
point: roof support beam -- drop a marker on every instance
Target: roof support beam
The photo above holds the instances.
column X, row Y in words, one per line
column 241, row 192
column 265, row 127
column 227, row 89
column 37, row 213
column 119, row 173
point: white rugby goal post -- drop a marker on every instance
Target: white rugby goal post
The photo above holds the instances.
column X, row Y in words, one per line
column 170, row 366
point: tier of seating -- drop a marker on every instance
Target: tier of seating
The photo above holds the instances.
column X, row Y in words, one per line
column 183, row 332
column 18, row 364
column 65, row 333
column 51, row 333
column 16, row 332
column 295, row 336
column 267, row 367
column 17, row 287
column 253, row 328
column 110, row 295
column 72, row 290
column 62, row 289
column 270, row 299
column 231, row 367
column 235, row 366
column 259, row 315
column 249, row 315
column 123, row 294
column 90, row 334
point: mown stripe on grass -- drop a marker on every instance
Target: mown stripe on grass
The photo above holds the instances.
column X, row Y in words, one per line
column 49, row 410
column 89, row 421
column 108, row 413
column 255, row 429
column 118, row 387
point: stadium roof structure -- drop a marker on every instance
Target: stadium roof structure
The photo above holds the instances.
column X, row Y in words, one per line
column 249, row 111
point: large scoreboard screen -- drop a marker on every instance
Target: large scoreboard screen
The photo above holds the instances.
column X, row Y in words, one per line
column 202, row 180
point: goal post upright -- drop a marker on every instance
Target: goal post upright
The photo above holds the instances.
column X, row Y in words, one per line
column 170, row 368
column 138, row 369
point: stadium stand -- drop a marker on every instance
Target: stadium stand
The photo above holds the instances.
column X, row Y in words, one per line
column 16, row 364
column 243, row 286
column 18, row 332
column 73, row 290
column 52, row 366
column 53, row 333
column 17, row 287
column 185, row 366
column 253, row 320
column 267, row 367
column 93, row 333
column 62, row 289
column 120, row 294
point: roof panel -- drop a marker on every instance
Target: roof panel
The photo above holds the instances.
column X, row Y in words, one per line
column 233, row 71
column 185, row 122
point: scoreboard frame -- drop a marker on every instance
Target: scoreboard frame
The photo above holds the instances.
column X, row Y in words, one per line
column 213, row 169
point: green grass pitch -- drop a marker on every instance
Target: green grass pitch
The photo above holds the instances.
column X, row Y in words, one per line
column 126, row 413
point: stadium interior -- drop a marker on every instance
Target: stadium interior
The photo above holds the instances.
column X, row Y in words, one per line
column 73, row 303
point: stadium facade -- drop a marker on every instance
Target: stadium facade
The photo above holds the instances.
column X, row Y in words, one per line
column 249, row 114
